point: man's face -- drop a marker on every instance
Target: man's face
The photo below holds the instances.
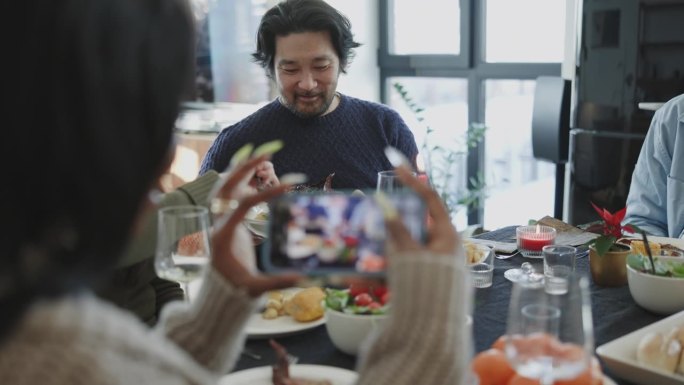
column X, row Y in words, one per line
column 306, row 72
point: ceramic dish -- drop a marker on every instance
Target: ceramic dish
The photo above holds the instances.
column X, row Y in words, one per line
column 620, row 355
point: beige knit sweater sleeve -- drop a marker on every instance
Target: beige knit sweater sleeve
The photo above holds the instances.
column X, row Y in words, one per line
column 426, row 339
column 211, row 328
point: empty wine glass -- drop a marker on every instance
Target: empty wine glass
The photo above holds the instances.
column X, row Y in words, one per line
column 182, row 244
column 550, row 337
column 388, row 182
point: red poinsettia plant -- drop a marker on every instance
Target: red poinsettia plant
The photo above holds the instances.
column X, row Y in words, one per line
column 611, row 230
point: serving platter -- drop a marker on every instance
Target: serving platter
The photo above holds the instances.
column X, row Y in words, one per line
column 620, row 355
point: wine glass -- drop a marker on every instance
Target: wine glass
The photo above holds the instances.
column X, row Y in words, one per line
column 550, row 336
column 182, row 244
column 388, row 182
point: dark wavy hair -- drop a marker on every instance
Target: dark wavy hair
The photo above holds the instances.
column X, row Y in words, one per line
column 102, row 81
column 297, row 16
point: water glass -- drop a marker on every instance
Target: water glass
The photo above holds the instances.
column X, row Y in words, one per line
column 559, row 263
column 481, row 264
column 388, row 182
column 183, row 251
column 550, row 336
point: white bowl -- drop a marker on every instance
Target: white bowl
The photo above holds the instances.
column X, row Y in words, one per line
column 657, row 294
column 349, row 331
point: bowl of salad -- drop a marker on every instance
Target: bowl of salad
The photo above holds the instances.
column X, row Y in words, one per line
column 659, row 292
column 353, row 314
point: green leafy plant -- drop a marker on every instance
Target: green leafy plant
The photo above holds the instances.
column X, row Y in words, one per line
column 611, row 230
column 440, row 161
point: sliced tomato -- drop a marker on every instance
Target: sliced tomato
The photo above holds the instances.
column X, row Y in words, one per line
column 379, row 291
column 363, row 299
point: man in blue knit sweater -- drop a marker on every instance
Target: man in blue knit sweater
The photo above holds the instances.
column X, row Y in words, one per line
column 304, row 45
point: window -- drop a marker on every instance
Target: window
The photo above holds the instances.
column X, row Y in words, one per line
column 226, row 40
column 516, row 33
column 476, row 61
column 441, row 17
column 511, row 169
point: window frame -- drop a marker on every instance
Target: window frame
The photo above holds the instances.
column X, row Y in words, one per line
column 469, row 64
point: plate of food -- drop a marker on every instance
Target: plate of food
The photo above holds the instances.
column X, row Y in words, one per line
column 287, row 312
column 650, row 355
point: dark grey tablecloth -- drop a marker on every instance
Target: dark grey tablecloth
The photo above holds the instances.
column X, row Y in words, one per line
column 614, row 311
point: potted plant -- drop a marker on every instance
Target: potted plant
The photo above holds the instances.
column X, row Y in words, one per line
column 608, row 257
column 446, row 163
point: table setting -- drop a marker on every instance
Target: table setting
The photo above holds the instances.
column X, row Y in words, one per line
column 615, row 317
column 532, row 281
column 546, row 252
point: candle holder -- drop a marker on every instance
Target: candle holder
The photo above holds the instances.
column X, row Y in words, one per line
column 531, row 239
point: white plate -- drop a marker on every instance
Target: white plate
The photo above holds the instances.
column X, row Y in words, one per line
column 259, row 328
column 620, row 355
column 262, row 375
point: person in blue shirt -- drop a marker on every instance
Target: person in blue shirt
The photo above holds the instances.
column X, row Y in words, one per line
column 656, row 196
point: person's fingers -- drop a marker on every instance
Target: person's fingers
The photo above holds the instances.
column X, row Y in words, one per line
column 442, row 236
column 399, row 234
column 241, row 172
column 243, row 207
column 435, row 206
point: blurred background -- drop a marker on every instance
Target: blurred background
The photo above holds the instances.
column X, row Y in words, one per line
column 468, row 62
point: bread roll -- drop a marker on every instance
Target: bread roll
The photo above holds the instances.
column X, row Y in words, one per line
column 648, row 351
column 660, row 351
column 639, row 248
column 306, row 305
column 680, row 338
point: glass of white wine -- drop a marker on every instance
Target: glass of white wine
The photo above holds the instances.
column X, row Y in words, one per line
column 550, row 334
column 183, row 251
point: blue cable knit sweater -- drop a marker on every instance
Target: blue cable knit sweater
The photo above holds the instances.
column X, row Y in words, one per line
column 349, row 142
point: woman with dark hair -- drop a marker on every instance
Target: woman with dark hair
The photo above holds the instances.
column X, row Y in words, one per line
column 107, row 77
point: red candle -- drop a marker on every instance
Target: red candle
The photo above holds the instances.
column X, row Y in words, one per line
column 531, row 239
column 528, row 242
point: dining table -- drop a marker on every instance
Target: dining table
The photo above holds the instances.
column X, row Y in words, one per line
column 614, row 314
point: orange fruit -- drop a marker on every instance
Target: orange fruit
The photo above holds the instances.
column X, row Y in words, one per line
column 492, row 367
column 500, row 343
column 520, row 380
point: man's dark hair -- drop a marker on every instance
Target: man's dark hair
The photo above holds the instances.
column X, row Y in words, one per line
column 297, row 16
